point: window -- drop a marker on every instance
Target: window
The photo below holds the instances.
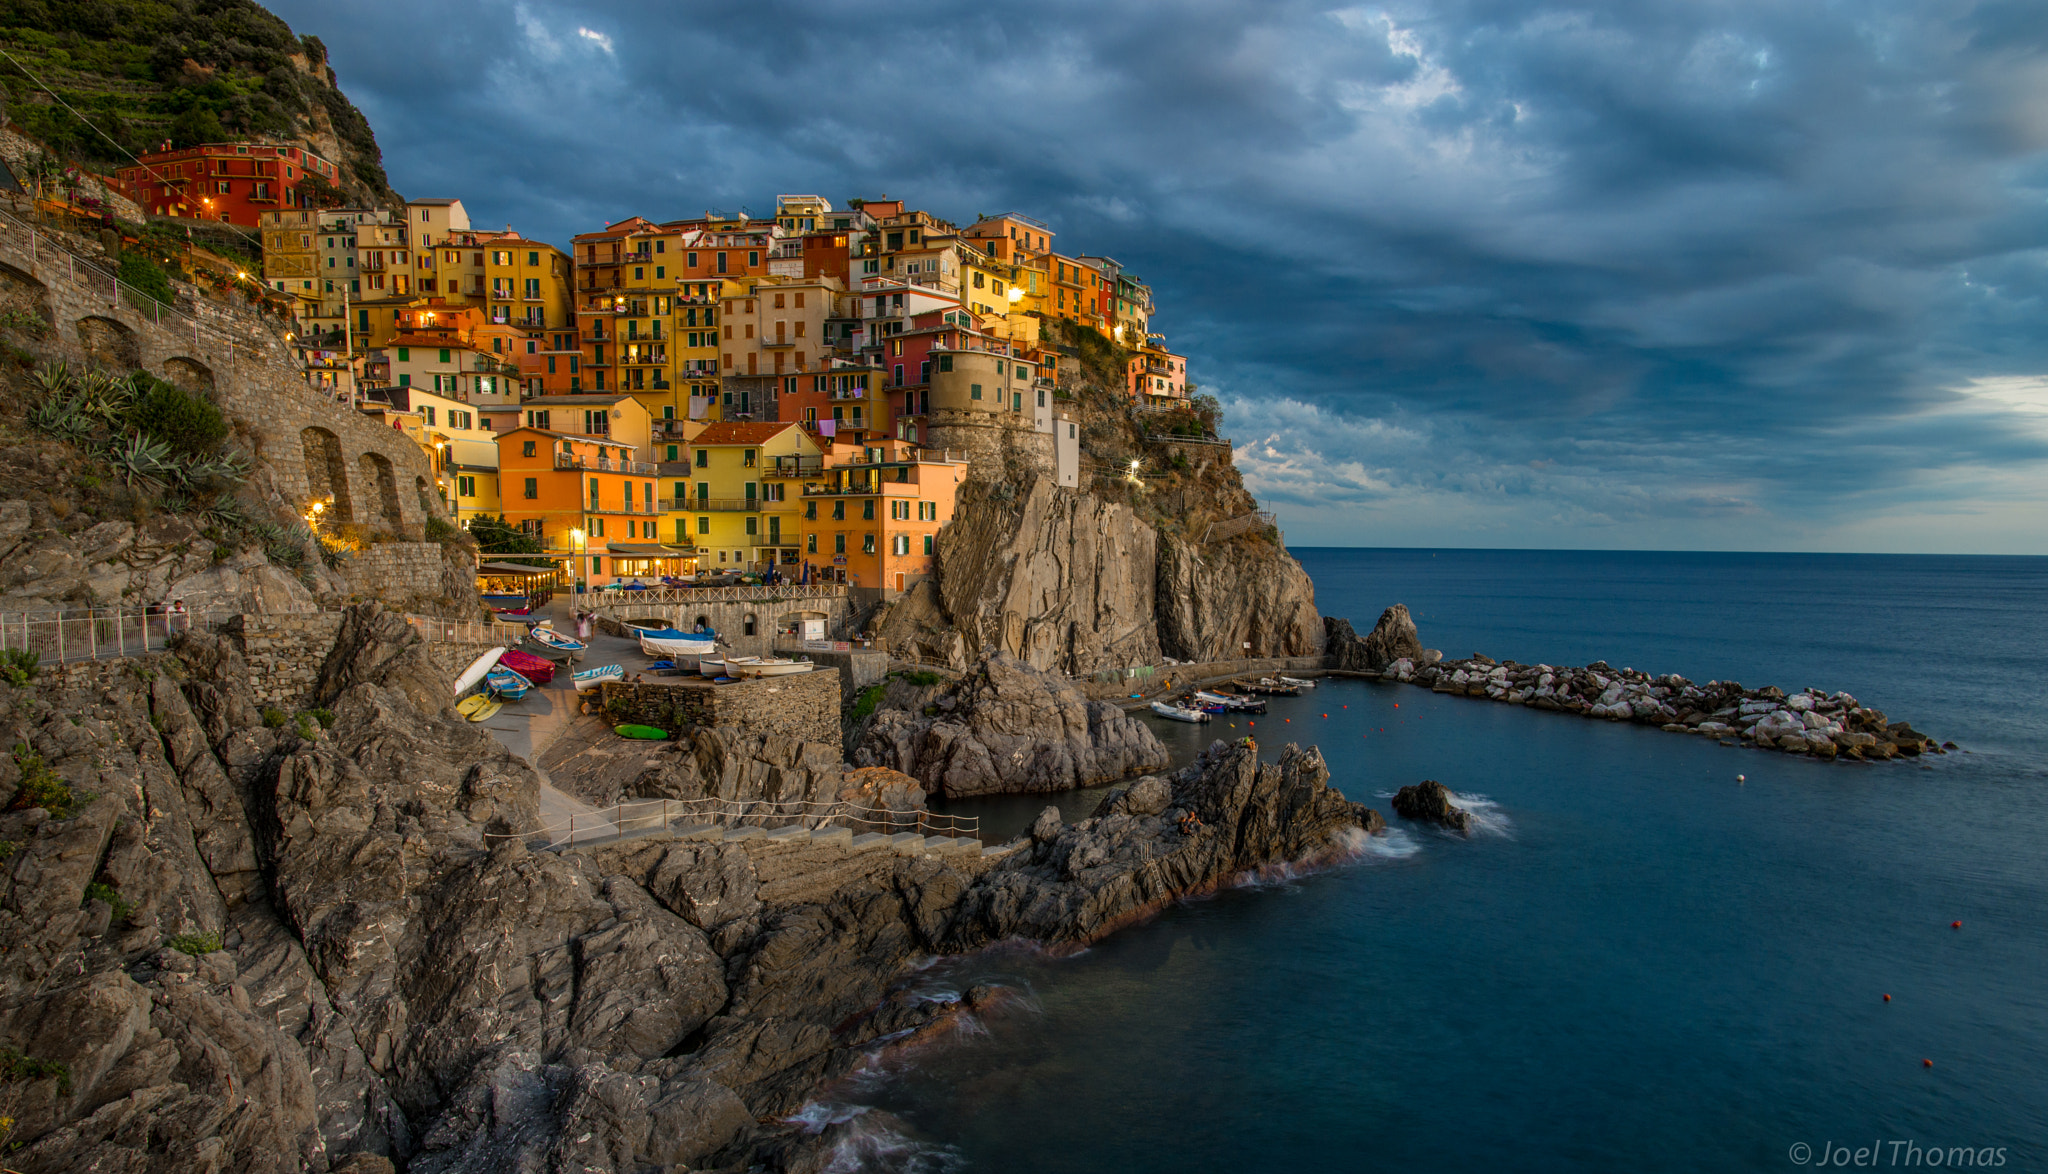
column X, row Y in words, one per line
column 703, row 458
column 927, row 544
column 867, row 544
column 703, row 525
column 671, row 452
column 902, row 544
column 945, row 362
column 405, row 354
column 810, row 511
column 810, row 544
column 839, row 544
column 532, row 483
column 533, row 258
column 747, row 459
column 444, row 354
column 839, row 511
column 867, row 512
column 750, row 523
column 753, row 259
column 526, row 450
column 974, row 391
column 465, row 486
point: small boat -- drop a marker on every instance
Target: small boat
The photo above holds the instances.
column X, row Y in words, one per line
column 670, row 642
column 1269, row 687
column 516, row 612
column 590, row 679
column 507, row 684
column 711, row 666
column 647, row 625
column 1232, row 702
column 1298, row 682
column 537, row 669
column 1178, row 713
column 479, row 708
column 643, row 733
column 476, row 670
column 744, row 667
column 549, row 638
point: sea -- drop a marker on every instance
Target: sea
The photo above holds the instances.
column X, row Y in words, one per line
column 1655, row 952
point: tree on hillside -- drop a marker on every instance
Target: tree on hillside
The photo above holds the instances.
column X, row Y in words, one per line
column 496, row 539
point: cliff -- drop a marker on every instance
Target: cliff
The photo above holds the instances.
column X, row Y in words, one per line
column 1169, row 560
column 227, row 946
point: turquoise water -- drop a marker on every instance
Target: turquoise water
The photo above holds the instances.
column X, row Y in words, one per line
column 1637, row 963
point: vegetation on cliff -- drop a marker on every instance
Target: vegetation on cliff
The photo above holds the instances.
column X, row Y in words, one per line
column 190, row 71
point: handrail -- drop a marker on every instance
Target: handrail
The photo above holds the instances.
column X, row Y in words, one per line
column 734, row 594
column 643, row 814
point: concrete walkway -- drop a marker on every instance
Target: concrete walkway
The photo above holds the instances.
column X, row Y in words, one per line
column 527, row 726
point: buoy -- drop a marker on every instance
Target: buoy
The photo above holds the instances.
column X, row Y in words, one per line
column 1741, row 778
column 1326, row 715
column 1955, row 925
column 1290, row 721
column 1887, row 998
column 1927, row 1063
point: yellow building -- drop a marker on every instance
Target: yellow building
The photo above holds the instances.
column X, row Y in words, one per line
column 738, row 498
column 291, row 257
column 616, row 417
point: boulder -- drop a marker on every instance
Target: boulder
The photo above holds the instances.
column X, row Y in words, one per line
column 1430, row 801
column 1392, row 639
column 1008, row 728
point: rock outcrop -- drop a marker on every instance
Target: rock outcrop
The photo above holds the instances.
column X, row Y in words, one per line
column 1057, row 578
column 1392, row 639
column 1159, row 840
column 1008, row 728
column 1813, row 721
column 1245, row 597
column 1430, row 802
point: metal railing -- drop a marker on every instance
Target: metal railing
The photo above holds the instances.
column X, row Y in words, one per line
column 96, row 633
column 738, row 593
column 1221, row 531
column 681, row 815
column 467, row 631
column 725, row 505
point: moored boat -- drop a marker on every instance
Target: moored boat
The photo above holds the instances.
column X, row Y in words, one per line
column 711, row 666
column 670, row 642
column 554, row 641
column 590, row 679
column 508, row 684
column 537, row 669
column 1178, row 713
column 476, row 670
column 1232, row 701
column 765, row 666
column 1297, row 682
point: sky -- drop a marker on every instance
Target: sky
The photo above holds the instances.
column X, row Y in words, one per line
column 1647, row 274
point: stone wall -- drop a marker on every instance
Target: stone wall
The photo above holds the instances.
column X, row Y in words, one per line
column 728, row 617
column 423, row 577
column 998, row 445
column 284, row 652
column 311, row 445
column 804, row 706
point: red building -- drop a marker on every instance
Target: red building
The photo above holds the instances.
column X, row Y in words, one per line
column 235, row 182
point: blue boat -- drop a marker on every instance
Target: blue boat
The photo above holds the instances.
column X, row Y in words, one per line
column 507, row 683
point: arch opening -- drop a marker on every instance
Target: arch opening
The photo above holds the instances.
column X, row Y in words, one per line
column 109, row 343
column 326, row 473
column 384, row 492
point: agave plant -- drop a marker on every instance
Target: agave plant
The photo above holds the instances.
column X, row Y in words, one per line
column 54, row 379
column 60, row 418
column 227, row 516
column 142, row 461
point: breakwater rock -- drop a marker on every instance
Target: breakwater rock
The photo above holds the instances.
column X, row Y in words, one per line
column 1430, row 801
column 1393, row 638
column 1008, row 728
column 1160, row 839
column 1812, row 721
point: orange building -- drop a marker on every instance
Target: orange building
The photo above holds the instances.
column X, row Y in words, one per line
column 587, row 498
column 235, row 182
column 873, row 519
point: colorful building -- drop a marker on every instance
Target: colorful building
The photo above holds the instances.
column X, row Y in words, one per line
column 1157, row 375
column 233, row 182
column 457, row 441
column 872, row 517
column 616, row 417
column 737, row 498
column 578, row 495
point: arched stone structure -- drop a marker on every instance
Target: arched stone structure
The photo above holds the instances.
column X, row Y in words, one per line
column 327, row 473
column 109, row 344
column 190, row 374
column 430, row 502
column 380, row 490
column 21, row 294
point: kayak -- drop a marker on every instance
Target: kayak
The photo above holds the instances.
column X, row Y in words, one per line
column 537, row 669
column 643, row 733
column 482, row 707
column 476, row 670
column 507, row 684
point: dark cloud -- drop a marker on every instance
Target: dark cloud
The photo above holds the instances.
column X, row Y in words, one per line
column 1734, row 274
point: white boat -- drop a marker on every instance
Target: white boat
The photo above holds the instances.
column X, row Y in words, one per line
column 1178, row 713
column 711, row 666
column 590, row 679
column 476, row 670
column 771, row 666
column 1232, row 702
column 673, row 643
column 1298, row 682
column 554, row 641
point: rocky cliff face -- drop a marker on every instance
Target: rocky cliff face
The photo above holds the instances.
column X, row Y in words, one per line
column 1007, row 728
column 1161, row 839
column 1056, row 578
column 1234, row 599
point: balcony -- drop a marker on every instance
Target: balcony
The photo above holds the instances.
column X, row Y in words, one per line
column 771, row 539
column 851, row 393
column 796, row 467
column 565, row 460
column 721, row 505
column 858, row 489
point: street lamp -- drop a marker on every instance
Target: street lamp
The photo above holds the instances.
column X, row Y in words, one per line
column 576, row 552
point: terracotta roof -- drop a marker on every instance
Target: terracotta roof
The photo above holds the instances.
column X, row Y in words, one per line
column 741, row 433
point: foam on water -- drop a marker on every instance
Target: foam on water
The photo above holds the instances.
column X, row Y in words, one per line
column 1487, row 817
column 1391, row 844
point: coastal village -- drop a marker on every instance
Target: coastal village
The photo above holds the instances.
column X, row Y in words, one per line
column 724, row 393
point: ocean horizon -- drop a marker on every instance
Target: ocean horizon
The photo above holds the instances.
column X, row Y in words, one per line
column 1655, row 951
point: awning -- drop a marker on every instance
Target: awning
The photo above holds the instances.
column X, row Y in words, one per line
column 516, row 568
column 649, row 550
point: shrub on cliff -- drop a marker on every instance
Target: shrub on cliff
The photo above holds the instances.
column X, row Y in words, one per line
column 190, row 425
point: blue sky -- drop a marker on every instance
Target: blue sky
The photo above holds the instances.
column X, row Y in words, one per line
column 1728, row 275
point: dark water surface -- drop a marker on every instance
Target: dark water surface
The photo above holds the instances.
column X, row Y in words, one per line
column 1637, row 964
